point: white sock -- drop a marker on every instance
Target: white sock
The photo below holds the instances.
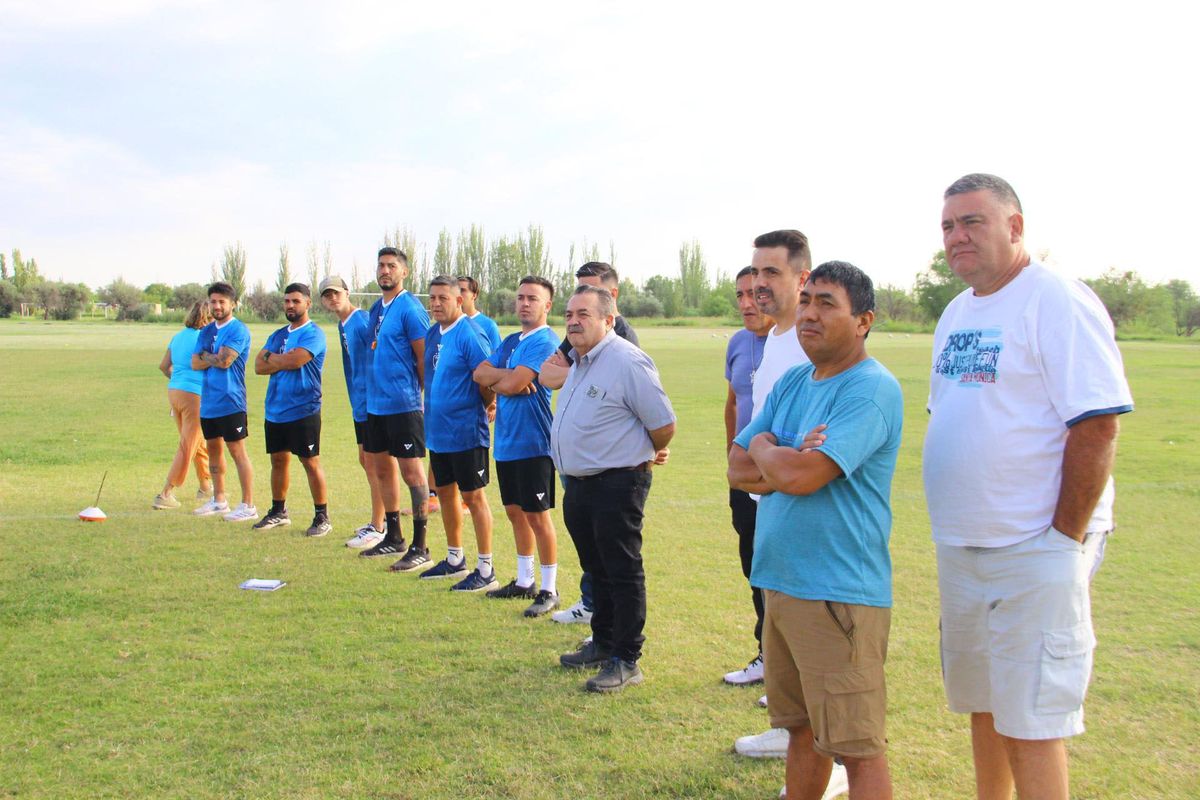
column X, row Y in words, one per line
column 550, row 578
column 524, row 570
column 485, row 565
column 455, row 555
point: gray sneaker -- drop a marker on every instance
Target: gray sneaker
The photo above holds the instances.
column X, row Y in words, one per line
column 615, row 676
column 320, row 526
column 588, row 655
column 166, row 502
column 543, row 603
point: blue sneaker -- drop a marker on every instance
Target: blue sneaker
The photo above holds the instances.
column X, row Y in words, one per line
column 476, row 583
column 444, row 569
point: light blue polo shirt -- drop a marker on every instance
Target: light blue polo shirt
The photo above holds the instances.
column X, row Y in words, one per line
column 832, row 544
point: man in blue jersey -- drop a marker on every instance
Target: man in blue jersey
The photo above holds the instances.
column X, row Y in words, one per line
column 293, row 357
column 469, row 288
column 742, row 357
column 221, row 351
column 355, row 335
column 395, row 436
column 821, row 453
column 523, row 464
column 458, row 435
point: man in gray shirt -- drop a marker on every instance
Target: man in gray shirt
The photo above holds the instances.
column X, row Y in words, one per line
column 612, row 423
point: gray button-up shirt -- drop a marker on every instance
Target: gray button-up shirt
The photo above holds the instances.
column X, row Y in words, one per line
column 612, row 398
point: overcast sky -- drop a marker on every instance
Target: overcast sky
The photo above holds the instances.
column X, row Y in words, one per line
column 139, row 137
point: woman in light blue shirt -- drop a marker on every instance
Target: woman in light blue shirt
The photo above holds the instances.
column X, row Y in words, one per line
column 183, row 393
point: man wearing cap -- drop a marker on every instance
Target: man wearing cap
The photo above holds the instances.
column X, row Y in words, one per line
column 293, row 358
column 612, row 423
column 355, row 336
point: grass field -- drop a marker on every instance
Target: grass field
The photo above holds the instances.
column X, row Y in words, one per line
column 131, row 665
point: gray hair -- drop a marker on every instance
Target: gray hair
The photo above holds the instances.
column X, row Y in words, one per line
column 448, row 282
column 605, row 303
column 981, row 181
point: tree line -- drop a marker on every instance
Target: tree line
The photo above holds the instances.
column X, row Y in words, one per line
column 499, row 262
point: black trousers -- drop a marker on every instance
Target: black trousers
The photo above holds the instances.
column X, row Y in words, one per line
column 745, row 512
column 603, row 514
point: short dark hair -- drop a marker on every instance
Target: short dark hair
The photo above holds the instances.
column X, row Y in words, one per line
column 857, row 283
column 221, row 287
column 538, row 280
column 393, row 251
column 445, row 280
column 472, row 284
column 982, row 181
column 743, row 272
column 799, row 256
column 302, row 288
column 599, row 269
column 605, row 303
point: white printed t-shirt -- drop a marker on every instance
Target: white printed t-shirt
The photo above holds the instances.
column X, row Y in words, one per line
column 1012, row 371
column 780, row 353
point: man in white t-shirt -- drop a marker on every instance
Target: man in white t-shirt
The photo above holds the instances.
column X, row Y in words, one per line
column 1026, row 387
column 780, row 266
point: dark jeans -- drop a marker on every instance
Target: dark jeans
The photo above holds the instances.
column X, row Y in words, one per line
column 604, row 517
column 585, row 590
column 745, row 512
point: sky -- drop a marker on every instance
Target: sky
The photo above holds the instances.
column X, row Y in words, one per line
column 139, row 137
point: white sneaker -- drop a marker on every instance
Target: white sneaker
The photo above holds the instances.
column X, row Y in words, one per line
column 839, row 784
column 751, row 673
column 576, row 613
column 212, row 507
column 243, row 513
column 762, row 701
column 366, row 536
column 769, row 744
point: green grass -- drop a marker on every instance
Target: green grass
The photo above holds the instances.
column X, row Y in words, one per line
column 130, row 664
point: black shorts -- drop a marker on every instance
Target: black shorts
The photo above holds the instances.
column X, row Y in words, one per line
column 402, row 435
column 301, row 437
column 527, row 482
column 467, row 468
column 360, row 432
column 231, row 427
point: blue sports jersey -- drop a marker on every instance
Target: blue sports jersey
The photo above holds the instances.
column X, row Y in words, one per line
column 455, row 418
column 294, row 394
column 355, row 334
column 224, row 391
column 523, row 421
column 392, row 385
column 831, row 544
column 490, row 329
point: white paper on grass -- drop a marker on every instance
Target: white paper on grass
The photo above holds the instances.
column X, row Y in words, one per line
column 263, row 584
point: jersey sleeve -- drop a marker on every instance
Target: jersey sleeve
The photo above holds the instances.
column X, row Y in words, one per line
column 857, row 428
column 415, row 322
column 1081, row 364
column 239, row 339
column 313, row 340
column 474, row 347
column 730, row 349
column 536, row 352
column 203, row 341
column 645, row 395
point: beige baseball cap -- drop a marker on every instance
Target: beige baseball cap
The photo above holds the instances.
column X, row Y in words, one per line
column 333, row 282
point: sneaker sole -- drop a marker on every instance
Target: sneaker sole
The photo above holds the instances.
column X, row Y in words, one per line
column 584, row 665
column 157, row 507
column 268, row 527
column 735, row 682
column 310, row 533
column 209, row 513
column 633, row 681
column 534, row 613
column 459, row 575
column 407, row 567
column 249, row 518
column 483, row 588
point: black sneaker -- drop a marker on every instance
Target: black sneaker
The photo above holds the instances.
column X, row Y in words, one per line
column 388, row 547
column 444, row 569
column 415, row 558
column 273, row 519
column 320, row 526
column 614, row 676
column 511, row 591
column 588, row 655
column 543, row 603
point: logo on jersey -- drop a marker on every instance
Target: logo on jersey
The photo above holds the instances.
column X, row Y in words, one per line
column 970, row 357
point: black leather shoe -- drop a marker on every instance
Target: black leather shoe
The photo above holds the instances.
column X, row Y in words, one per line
column 589, row 655
column 615, row 675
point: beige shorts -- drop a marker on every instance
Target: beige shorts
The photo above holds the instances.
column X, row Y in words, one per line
column 824, row 669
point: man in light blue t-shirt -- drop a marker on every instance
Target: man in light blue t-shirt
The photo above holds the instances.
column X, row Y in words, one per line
column 822, row 452
column 523, row 464
column 294, row 356
column 221, row 352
